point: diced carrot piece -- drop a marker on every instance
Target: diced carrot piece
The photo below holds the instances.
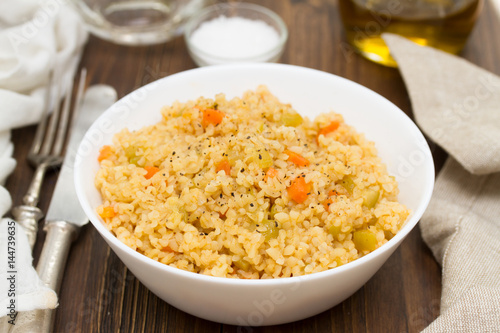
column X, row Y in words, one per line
column 327, row 203
column 108, row 212
column 150, row 171
column 212, row 116
column 329, row 128
column 299, row 189
column 104, row 153
column 224, row 165
column 297, row 159
column 167, row 249
column 332, row 192
column 271, row 173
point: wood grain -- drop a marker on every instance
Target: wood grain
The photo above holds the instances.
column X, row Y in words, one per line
column 99, row 294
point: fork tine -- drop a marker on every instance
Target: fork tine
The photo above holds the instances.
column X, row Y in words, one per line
column 51, row 129
column 50, row 137
column 40, row 131
column 61, row 128
column 63, row 122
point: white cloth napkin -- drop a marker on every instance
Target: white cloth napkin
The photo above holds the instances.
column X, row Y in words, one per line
column 457, row 104
column 35, row 37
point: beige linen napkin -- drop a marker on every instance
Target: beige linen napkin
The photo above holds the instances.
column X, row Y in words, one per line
column 457, row 104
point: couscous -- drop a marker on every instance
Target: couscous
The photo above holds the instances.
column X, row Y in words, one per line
column 247, row 188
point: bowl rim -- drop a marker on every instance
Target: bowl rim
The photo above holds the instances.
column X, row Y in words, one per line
column 193, row 22
column 394, row 242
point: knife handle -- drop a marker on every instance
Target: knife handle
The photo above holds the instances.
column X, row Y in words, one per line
column 50, row 269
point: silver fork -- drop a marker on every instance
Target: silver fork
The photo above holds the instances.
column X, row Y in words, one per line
column 46, row 153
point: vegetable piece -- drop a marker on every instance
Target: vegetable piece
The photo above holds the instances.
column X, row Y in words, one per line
column 297, row 159
column 108, row 212
column 348, row 184
column 291, row 118
column 327, row 204
column 329, row 128
column 271, row 229
column 167, row 249
column 212, row 116
column 224, row 165
column 364, row 240
column 184, row 214
column 370, row 197
column 299, row 190
column 270, row 173
column 334, row 230
column 262, row 158
column 104, row 153
column 242, row 264
column 150, row 171
column 329, row 201
column 135, row 160
column 131, row 153
column 388, row 235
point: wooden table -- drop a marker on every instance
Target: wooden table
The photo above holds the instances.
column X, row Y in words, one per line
column 99, row 294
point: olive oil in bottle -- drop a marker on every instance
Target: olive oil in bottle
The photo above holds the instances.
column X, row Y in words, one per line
column 443, row 24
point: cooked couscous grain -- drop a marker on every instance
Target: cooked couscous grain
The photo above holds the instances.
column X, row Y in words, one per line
column 247, row 188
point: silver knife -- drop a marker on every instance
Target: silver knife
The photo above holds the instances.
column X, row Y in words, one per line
column 65, row 215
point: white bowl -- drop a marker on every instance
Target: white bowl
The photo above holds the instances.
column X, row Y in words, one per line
column 264, row 302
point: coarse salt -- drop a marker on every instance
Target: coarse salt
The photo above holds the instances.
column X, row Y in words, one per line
column 235, row 38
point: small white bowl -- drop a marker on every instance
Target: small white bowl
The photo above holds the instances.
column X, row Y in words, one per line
column 275, row 301
column 230, row 10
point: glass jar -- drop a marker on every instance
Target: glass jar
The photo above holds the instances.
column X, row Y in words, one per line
column 137, row 22
column 442, row 24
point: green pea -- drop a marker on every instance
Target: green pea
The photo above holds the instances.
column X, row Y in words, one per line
column 370, row 198
column 242, row 264
column 334, row 230
column 269, row 228
column 364, row 240
column 262, row 158
column 348, row 183
column 291, row 118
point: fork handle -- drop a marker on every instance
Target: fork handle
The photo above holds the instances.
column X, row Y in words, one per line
column 28, row 214
column 50, row 268
column 28, row 217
